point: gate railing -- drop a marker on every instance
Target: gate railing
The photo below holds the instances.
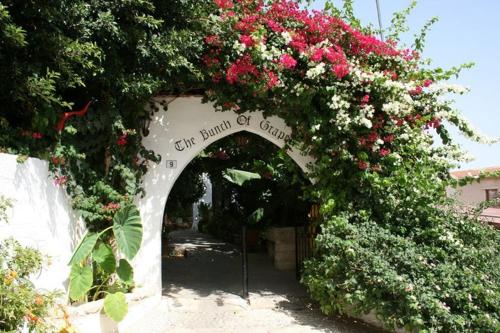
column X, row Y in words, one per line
column 304, row 246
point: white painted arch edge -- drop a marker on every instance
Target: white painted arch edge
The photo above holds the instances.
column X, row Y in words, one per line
column 179, row 134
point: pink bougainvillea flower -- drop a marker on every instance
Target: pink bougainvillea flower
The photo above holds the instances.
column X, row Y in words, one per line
column 230, row 105
column 417, row 91
column 317, row 55
column 60, row 180
column 212, row 40
column 247, row 40
column 427, row 83
column 241, row 68
column 389, row 138
column 224, row 4
column 122, row 140
column 37, row 135
column 288, row 61
column 274, row 26
column 227, row 14
column 57, row 160
column 298, row 42
column 373, row 136
column 384, row 152
column 273, row 80
column 340, row 71
column 434, row 123
column 365, row 99
column 362, row 165
column 221, row 155
column 112, row 206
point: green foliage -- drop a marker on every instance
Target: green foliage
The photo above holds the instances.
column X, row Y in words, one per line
column 115, row 306
column 438, row 279
column 271, row 191
column 80, row 281
column 125, row 271
column 5, row 204
column 127, row 229
column 84, row 248
column 97, row 279
column 104, row 257
column 239, row 177
column 20, row 302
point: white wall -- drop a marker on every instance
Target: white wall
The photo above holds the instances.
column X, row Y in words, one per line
column 178, row 135
column 41, row 216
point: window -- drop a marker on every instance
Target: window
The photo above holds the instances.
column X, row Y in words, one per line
column 492, row 194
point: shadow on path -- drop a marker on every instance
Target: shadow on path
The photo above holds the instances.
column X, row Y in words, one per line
column 204, row 287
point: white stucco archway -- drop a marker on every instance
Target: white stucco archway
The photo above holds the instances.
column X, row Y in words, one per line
column 179, row 134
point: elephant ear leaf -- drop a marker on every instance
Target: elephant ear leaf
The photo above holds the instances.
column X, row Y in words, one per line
column 80, row 281
column 127, row 228
column 105, row 258
column 239, row 177
column 84, row 248
column 125, row 272
column 115, row 306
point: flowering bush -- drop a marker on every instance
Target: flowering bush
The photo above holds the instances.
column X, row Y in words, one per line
column 367, row 110
column 21, row 305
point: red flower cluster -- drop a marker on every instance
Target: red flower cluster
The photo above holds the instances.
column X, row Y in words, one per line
column 247, row 40
column 224, row 4
column 122, row 140
column 288, row 61
column 417, row 91
column 365, row 99
column 60, row 180
column 362, row 165
column 241, row 70
column 37, row 135
column 112, row 206
column 434, row 123
column 272, row 79
column 306, row 30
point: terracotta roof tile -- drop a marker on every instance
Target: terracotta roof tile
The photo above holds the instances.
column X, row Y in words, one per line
column 458, row 174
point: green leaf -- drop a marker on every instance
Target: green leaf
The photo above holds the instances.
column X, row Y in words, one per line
column 239, row 177
column 256, row 216
column 115, row 306
column 105, row 258
column 80, row 281
column 84, row 248
column 125, row 271
column 127, row 229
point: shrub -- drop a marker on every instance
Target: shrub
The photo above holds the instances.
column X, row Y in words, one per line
column 439, row 279
column 21, row 304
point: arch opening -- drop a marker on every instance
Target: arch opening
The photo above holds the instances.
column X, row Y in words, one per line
column 277, row 195
column 178, row 133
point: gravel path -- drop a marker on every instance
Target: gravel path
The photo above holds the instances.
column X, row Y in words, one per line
column 202, row 294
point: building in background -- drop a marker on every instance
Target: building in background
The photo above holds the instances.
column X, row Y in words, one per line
column 485, row 187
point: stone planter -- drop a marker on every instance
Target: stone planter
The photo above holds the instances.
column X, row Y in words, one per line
column 281, row 247
column 89, row 317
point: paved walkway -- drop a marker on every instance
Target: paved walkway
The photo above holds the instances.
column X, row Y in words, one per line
column 202, row 294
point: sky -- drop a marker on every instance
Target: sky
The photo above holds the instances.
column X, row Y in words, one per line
column 466, row 31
